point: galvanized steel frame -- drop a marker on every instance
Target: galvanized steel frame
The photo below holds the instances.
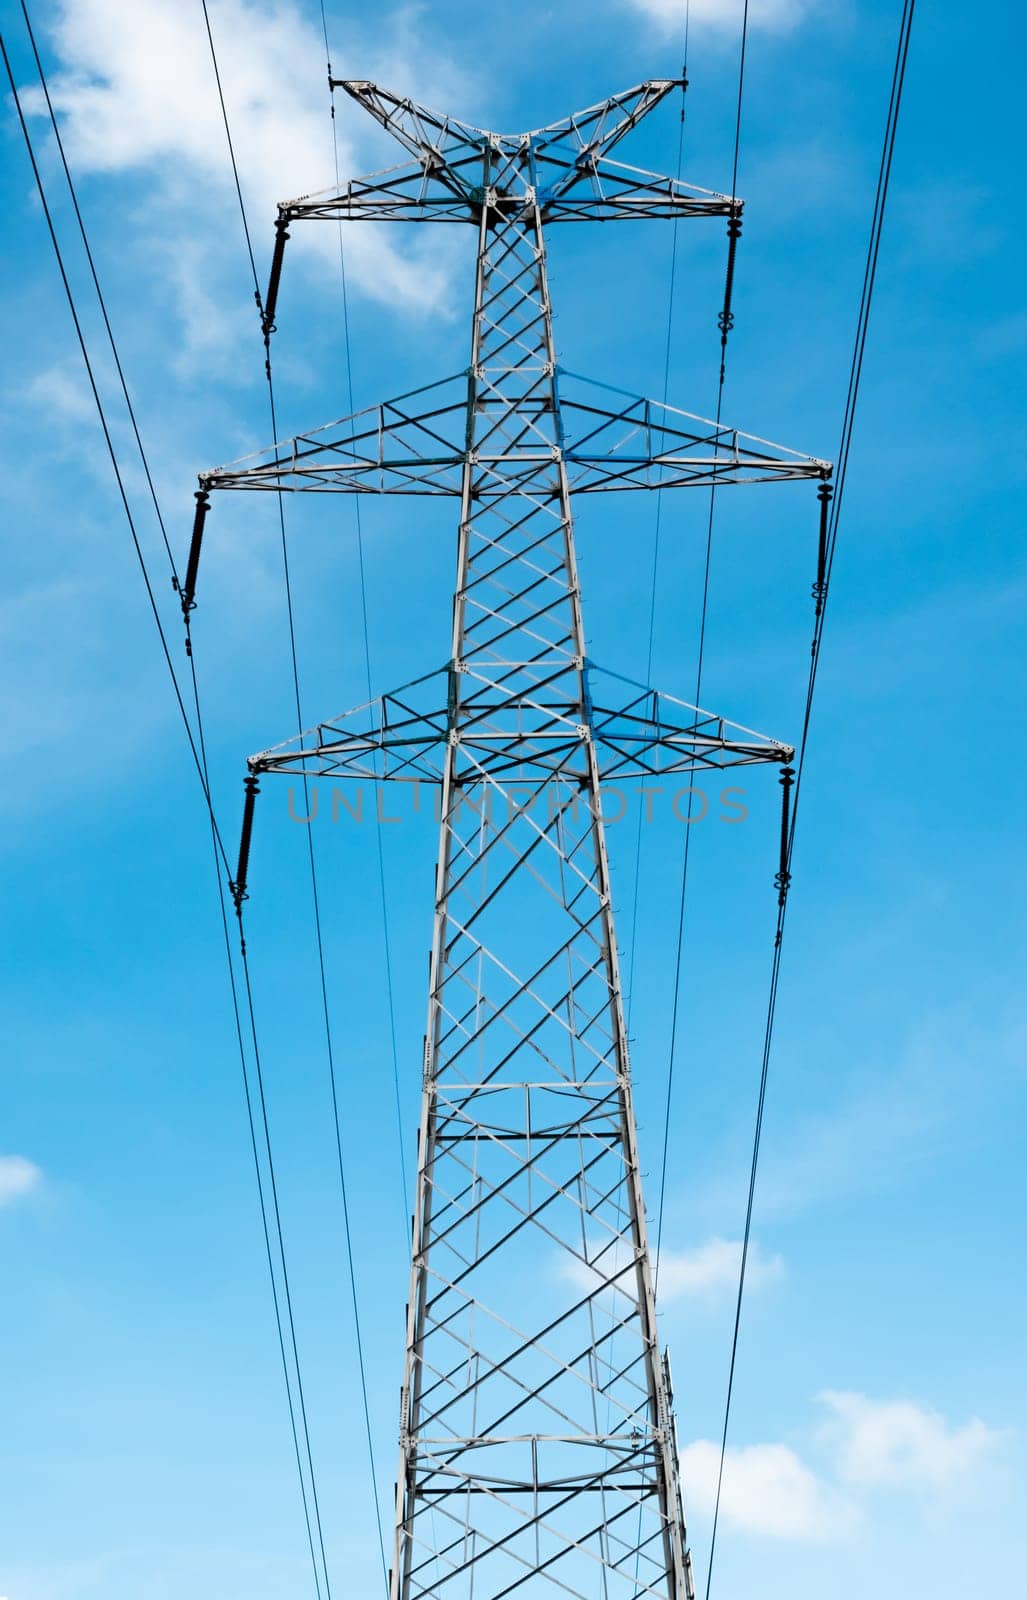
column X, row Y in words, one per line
column 527, row 1129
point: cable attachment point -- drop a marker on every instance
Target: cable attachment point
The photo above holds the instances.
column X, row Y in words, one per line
column 238, row 883
column 819, row 590
column 187, row 593
column 267, row 321
column 783, row 877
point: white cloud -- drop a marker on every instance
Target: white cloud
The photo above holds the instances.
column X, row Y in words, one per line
column 136, row 95
column 709, row 1272
column 723, row 16
column 865, row 1444
column 767, row 1490
column 18, row 1176
column 896, row 1443
column 711, row 1269
column 62, row 392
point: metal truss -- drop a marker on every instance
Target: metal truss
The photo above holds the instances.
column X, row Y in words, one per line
column 537, row 1449
column 566, row 165
column 403, row 736
column 416, row 444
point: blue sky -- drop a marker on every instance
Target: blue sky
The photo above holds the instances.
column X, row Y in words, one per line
column 878, row 1435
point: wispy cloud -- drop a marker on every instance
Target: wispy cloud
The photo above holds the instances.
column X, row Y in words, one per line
column 18, row 1177
column 895, row 1114
column 723, row 16
column 136, row 95
column 897, row 1443
column 62, row 393
column 711, row 1270
column 708, row 1273
column 137, row 102
column 767, row 1490
column 862, row 1445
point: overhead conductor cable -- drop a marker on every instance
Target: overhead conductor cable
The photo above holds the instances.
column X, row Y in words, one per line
column 855, row 373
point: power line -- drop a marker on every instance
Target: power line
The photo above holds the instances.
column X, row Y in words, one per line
column 281, row 1250
column 855, row 374
column 659, row 512
column 386, row 935
column 323, row 985
column 315, row 1498
column 112, row 454
column 231, row 156
column 197, row 746
column 264, row 1217
column 668, row 338
column 725, row 323
column 315, row 898
column 99, row 295
column 311, row 1473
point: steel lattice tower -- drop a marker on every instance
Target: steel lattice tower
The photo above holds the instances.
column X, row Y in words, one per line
column 537, row 1443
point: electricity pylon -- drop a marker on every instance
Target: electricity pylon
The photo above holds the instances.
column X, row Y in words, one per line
column 537, row 1449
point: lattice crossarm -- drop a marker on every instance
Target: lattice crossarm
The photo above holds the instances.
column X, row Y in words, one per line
column 594, row 473
column 614, row 440
column 459, row 172
column 400, row 736
column 415, row 753
column 533, row 736
column 605, row 191
column 588, row 135
column 414, row 444
column 429, row 135
column 423, row 133
column 646, row 733
column 405, row 446
column 415, row 192
column 640, row 754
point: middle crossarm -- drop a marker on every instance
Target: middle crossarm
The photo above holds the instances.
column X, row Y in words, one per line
column 416, row 444
column 403, row 736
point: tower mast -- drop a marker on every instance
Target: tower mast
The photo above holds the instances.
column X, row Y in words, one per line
column 537, row 1448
